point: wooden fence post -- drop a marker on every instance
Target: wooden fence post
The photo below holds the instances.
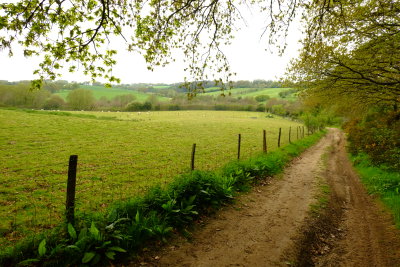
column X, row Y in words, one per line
column 303, row 132
column 290, row 132
column 71, row 184
column 297, row 132
column 193, row 153
column 279, row 137
column 239, row 142
column 264, row 141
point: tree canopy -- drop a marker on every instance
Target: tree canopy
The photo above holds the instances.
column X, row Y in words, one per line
column 350, row 45
column 355, row 55
column 79, row 33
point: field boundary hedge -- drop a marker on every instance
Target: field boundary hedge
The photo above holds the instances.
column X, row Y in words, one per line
column 99, row 239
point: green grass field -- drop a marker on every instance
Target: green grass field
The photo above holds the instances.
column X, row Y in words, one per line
column 101, row 91
column 250, row 92
column 161, row 86
column 118, row 158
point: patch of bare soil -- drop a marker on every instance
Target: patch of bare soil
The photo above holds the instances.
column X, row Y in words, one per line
column 272, row 226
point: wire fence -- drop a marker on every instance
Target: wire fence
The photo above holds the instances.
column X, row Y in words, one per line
column 33, row 198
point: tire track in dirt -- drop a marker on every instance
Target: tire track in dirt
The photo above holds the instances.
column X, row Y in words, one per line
column 258, row 230
column 369, row 237
column 271, row 225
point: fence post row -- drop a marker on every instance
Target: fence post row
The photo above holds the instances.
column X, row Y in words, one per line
column 193, row 153
column 71, row 185
column 73, row 162
column 264, row 141
column 279, row 137
column 239, row 142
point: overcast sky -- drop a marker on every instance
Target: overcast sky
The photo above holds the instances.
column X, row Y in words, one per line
column 246, row 55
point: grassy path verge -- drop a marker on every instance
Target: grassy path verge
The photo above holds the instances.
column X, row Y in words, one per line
column 381, row 182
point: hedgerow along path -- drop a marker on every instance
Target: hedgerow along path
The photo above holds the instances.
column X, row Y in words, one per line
column 118, row 158
column 273, row 226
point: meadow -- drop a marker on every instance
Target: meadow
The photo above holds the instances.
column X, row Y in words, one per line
column 109, row 93
column 119, row 157
column 250, row 92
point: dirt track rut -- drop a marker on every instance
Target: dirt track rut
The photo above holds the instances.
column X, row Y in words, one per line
column 265, row 226
column 369, row 237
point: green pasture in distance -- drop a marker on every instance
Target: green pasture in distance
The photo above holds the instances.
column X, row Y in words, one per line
column 234, row 91
column 212, row 89
column 272, row 92
column 118, row 158
column 100, row 91
column 161, row 86
column 251, row 92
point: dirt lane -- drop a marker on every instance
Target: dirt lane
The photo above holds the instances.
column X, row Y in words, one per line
column 270, row 225
column 258, row 230
column 369, row 237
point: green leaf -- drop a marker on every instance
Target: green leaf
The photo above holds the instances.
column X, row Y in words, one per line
column 137, row 217
column 82, row 234
column 71, row 231
column 42, row 248
column 191, row 199
column 104, row 245
column 88, row 256
column 27, row 262
column 168, row 229
column 188, row 208
column 110, row 255
column 94, row 231
column 96, row 259
column 74, row 247
column 204, row 192
column 117, row 249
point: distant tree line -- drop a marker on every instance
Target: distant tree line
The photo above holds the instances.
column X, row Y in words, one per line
column 18, row 94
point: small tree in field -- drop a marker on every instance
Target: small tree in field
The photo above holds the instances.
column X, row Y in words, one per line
column 54, row 102
column 262, row 98
column 120, row 101
column 81, row 99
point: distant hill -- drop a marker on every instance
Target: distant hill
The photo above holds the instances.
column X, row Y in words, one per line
column 101, row 91
column 250, row 92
